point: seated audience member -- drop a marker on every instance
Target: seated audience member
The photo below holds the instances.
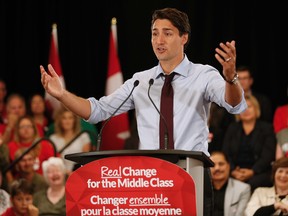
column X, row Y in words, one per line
column 52, row 201
column 250, row 145
column 282, row 143
column 4, row 197
column 85, row 126
column 26, row 134
column 25, row 169
column 271, row 200
column 280, row 123
column 246, row 80
column 37, row 109
column 230, row 195
column 3, row 94
column 15, row 107
column 21, row 199
column 67, row 128
column 6, row 176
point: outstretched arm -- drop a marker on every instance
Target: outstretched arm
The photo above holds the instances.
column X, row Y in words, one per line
column 52, row 85
column 226, row 56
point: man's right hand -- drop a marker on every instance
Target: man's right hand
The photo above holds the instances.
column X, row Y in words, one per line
column 51, row 82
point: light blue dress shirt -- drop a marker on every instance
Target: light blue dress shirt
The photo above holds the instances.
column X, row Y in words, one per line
column 195, row 87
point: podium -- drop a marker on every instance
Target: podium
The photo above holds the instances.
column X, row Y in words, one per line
column 193, row 162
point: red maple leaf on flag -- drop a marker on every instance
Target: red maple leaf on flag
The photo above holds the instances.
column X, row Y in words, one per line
column 117, row 130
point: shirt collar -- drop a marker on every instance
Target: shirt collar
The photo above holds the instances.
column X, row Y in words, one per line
column 181, row 69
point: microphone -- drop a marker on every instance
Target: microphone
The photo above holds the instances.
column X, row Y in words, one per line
column 99, row 139
column 166, row 139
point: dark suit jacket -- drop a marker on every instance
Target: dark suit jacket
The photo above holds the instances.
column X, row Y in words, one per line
column 264, row 144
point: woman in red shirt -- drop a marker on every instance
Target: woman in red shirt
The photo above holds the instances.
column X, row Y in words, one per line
column 26, row 134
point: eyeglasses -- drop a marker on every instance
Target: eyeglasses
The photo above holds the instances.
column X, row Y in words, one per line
column 25, row 126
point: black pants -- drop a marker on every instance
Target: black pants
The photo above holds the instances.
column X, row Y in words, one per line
column 208, row 204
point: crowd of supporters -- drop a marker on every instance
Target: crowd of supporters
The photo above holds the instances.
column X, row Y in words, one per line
column 33, row 143
column 249, row 151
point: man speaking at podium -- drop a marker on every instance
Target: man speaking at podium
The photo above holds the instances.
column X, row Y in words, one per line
column 192, row 86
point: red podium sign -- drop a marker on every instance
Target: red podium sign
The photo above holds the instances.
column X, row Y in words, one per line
column 130, row 185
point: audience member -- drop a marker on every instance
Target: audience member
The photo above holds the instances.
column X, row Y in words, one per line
column 52, row 201
column 26, row 134
column 246, row 80
column 37, row 109
column 15, row 108
column 21, row 199
column 271, row 200
column 4, row 197
column 66, row 136
column 85, row 126
column 25, row 169
column 230, row 195
column 4, row 164
column 250, row 145
column 280, row 123
column 3, row 94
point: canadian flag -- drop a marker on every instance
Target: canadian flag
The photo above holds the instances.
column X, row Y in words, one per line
column 54, row 59
column 117, row 129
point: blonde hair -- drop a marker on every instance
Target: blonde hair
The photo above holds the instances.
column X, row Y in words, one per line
column 255, row 104
column 58, row 119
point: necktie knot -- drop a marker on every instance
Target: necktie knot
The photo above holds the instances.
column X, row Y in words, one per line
column 169, row 78
column 167, row 88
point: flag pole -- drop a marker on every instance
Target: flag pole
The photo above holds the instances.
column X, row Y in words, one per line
column 54, row 26
column 114, row 32
column 113, row 21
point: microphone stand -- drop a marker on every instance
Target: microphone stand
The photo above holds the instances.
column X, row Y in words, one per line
column 166, row 137
column 99, row 139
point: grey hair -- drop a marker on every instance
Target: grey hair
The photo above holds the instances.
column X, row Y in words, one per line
column 56, row 161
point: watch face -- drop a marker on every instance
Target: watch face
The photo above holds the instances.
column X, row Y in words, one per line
column 235, row 79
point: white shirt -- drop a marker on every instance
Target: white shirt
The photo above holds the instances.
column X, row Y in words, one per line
column 4, row 201
column 75, row 147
